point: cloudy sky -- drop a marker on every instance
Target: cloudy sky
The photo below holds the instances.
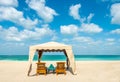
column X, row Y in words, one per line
column 92, row 27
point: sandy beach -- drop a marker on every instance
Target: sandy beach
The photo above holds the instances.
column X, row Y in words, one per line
column 87, row 71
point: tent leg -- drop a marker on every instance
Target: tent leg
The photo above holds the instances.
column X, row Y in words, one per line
column 39, row 55
column 30, row 68
column 67, row 63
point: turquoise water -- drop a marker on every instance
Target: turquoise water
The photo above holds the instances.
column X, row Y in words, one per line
column 61, row 57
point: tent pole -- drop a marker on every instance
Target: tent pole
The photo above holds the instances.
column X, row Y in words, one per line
column 30, row 68
column 67, row 63
column 39, row 55
column 67, row 59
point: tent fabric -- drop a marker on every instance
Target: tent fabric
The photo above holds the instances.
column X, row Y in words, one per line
column 53, row 46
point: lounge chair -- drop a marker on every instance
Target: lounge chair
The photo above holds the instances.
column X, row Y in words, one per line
column 41, row 69
column 60, row 68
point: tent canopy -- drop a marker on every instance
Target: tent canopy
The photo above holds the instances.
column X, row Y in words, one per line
column 50, row 46
column 53, row 47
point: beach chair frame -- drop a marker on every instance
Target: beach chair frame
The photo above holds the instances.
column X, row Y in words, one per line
column 60, row 68
column 41, row 68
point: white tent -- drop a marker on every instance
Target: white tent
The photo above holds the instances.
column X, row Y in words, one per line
column 53, row 46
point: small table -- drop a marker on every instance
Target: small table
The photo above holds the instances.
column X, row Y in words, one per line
column 51, row 68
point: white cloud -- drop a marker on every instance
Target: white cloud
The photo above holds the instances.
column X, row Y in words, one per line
column 86, row 41
column 70, row 29
column 54, row 38
column 115, row 13
column 28, row 23
column 83, row 39
column 10, row 34
column 13, row 3
column 111, row 0
column 90, row 28
column 90, row 17
column 110, row 39
column 66, row 40
column 116, row 31
column 0, row 27
column 85, row 27
column 13, row 34
column 44, row 12
column 74, row 11
column 11, row 14
column 110, row 43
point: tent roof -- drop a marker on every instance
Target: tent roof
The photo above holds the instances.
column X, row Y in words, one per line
column 51, row 45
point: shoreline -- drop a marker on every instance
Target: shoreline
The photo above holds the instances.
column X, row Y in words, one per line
column 64, row 60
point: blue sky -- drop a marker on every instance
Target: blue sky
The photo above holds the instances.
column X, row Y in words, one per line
column 92, row 27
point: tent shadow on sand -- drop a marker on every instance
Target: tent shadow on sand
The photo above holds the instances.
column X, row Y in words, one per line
column 70, row 70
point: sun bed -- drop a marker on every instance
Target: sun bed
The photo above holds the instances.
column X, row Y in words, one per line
column 60, row 68
column 41, row 68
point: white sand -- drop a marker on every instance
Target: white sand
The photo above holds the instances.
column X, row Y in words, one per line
column 87, row 71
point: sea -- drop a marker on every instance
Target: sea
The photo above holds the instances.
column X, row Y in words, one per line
column 61, row 57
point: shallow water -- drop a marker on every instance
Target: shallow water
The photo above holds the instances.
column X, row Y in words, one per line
column 61, row 57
